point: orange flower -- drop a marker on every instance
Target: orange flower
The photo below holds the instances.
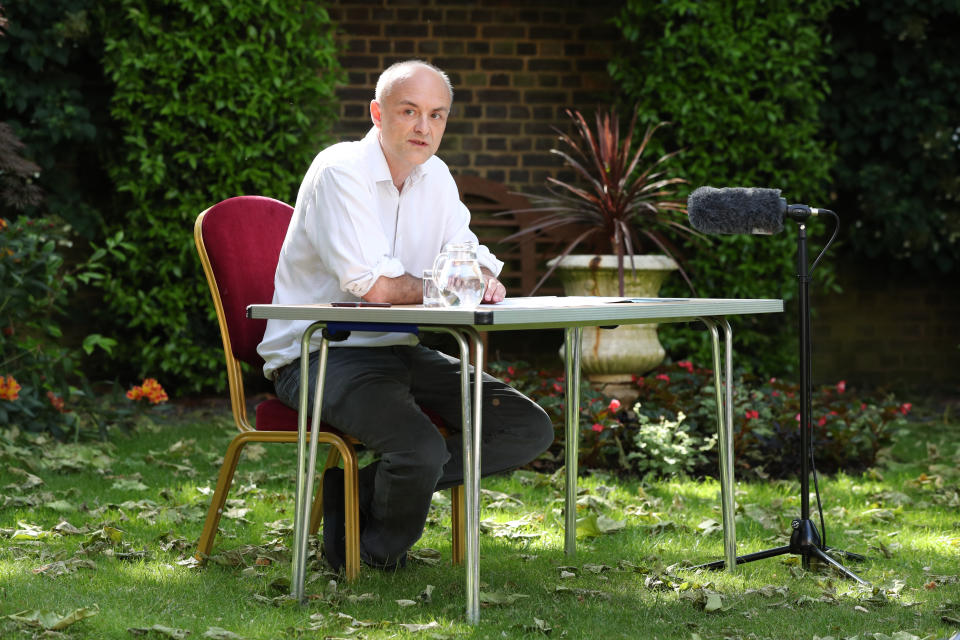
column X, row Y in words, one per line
column 9, row 388
column 3, row 224
column 150, row 389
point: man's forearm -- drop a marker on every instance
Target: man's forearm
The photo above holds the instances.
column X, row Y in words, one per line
column 405, row 289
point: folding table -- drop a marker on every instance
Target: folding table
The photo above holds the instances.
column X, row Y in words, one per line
column 514, row 314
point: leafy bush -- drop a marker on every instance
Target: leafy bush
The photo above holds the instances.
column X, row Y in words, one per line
column 214, row 100
column 742, row 84
column 895, row 114
column 35, row 286
column 672, row 426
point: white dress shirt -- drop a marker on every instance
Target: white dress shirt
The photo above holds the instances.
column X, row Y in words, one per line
column 350, row 226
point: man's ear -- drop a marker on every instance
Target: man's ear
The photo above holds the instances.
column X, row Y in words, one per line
column 375, row 114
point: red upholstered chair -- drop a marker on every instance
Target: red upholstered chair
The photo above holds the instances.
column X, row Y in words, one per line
column 239, row 243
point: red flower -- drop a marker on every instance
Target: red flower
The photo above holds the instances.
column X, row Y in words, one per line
column 597, row 427
column 663, row 376
column 752, row 414
column 841, row 386
column 557, row 387
column 863, row 406
column 775, row 394
column 905, row 408
column 511, row 370
column 614, row 404
column 56, row 401
column 686, row 364
column 822, row 421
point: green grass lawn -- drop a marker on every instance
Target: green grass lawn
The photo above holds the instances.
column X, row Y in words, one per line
column 105, row 532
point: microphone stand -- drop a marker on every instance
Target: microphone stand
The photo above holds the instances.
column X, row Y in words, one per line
column 805, row 540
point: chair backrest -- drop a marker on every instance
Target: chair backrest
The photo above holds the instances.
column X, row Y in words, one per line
column 239, row 242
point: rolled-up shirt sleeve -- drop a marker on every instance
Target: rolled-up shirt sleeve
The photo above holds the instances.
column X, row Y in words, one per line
column 346, row 232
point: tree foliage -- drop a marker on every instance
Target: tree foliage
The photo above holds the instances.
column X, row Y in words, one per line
column 213, row 100
column 742, row 82
column 895, row 114
column 53, row 98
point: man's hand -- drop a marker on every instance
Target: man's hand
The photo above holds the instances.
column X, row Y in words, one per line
column 493, row 291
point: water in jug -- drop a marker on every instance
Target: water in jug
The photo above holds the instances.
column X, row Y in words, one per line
column 457, row 274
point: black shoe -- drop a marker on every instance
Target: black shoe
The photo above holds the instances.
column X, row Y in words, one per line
column 334, row 516
column 396, row 565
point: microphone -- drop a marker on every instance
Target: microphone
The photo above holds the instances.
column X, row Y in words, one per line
column 739, row 210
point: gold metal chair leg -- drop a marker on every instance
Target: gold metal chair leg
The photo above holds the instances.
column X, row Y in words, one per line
column 316, row 514
column 457, row 525
column 224, row 481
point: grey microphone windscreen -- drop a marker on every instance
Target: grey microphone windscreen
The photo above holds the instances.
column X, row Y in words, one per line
column 736, row 210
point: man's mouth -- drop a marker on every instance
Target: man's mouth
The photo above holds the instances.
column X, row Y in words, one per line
column 419, row 143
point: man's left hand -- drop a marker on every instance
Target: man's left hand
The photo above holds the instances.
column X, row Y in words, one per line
column 494, row 291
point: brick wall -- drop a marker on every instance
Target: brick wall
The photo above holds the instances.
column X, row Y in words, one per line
column 514, row 65
column 888, row 329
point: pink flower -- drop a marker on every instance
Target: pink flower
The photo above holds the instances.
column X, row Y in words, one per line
column 614, row 404
column 663, row 376
column 798, row 417
column 511, row 370
column 557, row 387
column 841, row 386
column 752, row 414
column 905, row 408
column 686, row 364
column 822, row 421
column 597, row 427
column 775, row 394
column 863, row 406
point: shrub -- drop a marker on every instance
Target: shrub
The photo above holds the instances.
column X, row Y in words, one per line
column 214, row 100
column 742, row 84
column 35, row 286
column 672, row 426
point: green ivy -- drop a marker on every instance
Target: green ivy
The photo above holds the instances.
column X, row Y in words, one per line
column 895, row 114
column 214, row 100
column 742, row 82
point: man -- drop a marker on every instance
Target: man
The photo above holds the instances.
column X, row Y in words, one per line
column 370, row 217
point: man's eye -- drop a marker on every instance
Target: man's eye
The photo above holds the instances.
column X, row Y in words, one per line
column 408, row 112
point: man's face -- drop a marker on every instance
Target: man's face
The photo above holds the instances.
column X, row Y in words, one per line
column 411, row 119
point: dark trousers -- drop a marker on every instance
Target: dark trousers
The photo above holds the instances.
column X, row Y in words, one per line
column 375, row 393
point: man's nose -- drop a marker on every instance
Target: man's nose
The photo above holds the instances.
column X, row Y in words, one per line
column 421, row 125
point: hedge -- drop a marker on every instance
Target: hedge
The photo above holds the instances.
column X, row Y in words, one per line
column 742, row 83
column 213, row 100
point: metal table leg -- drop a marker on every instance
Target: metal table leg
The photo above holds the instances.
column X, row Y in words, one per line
column 305, row 471
column 472, row 431
column 572, row 340
column 723, row 384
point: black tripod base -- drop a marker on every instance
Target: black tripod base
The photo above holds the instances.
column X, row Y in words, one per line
column 805, row 542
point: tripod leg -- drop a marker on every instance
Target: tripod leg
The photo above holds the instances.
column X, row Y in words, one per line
column 847, row 555
column 750, row 557
column 820, row 554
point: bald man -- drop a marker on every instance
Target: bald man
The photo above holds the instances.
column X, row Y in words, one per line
column 370, row 216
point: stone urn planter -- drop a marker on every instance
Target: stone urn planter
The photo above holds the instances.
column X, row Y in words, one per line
column 611, row 357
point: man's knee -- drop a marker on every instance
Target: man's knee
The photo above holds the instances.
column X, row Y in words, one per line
column 541, row 432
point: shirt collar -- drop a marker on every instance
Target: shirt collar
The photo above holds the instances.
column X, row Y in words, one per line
column 378, row 162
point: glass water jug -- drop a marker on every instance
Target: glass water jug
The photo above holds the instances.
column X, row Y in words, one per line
column 457, row 274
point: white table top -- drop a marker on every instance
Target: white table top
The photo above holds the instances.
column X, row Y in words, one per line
column 528, row 313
